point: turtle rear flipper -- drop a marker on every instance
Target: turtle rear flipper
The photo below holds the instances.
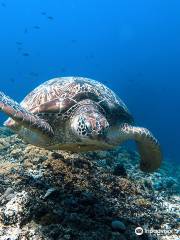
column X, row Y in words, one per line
column 23, row 117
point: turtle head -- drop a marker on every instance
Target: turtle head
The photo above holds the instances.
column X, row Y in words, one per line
column 88, row 124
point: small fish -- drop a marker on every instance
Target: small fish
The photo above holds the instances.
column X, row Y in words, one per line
column 19, row 43
column 50, row 17
column 12, row 80
column 91, row 56
column 19, row 49
column 63, row 69
column 131, row 80
column 25, row 30
column 74, row 41
column 25, row 54
column 43, row 13
column 36, row 27
column 139, row 74
column 33, row 74
column 105, row 81
column 3, row 4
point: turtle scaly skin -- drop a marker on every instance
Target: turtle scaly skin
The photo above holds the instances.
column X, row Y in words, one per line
column 78, row 114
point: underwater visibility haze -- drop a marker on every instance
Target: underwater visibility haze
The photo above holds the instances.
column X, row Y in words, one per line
column 130, row 47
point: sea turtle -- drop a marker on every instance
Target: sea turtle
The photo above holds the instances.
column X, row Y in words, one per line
column 78, row 114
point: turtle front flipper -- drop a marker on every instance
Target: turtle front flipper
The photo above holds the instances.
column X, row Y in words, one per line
column 148, row 146
column 23, row 117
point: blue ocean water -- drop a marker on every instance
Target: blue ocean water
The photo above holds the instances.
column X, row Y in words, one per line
column 131, row 46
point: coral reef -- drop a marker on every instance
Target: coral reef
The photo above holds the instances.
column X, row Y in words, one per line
column 97, row 195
